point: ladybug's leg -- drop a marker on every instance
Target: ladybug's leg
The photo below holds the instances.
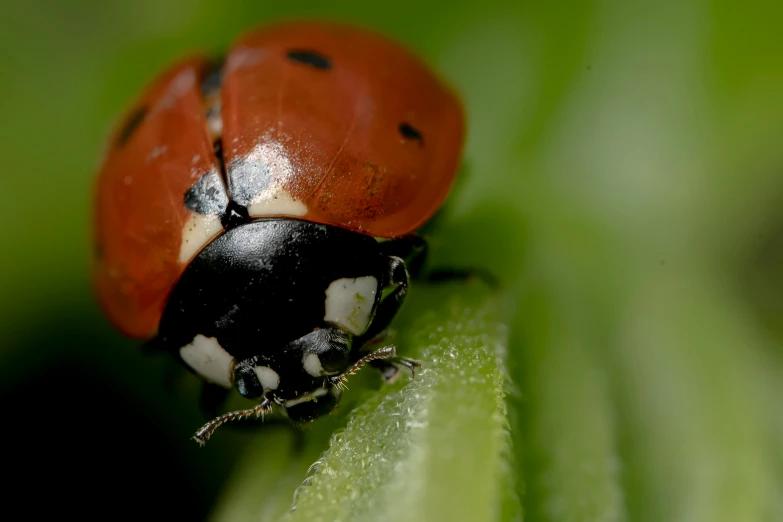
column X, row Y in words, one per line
column 387, row 354
column 412, row 248
column 397, row 274
column 390, row 368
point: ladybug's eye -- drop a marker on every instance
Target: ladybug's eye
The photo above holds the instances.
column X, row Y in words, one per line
column 311, row 58
column 247, row 382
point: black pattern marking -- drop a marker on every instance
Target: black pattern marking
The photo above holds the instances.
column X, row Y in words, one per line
column 409, row 133
column 247, row 179
column 311, row 58
column 130, row 125
column 208, row 195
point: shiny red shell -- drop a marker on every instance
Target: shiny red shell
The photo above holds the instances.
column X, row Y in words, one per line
column 321, row 122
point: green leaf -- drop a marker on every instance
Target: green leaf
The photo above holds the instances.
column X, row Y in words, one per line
column 432, row 448
column 567, row 421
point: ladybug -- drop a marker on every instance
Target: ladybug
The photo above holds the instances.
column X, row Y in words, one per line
column 256, row 215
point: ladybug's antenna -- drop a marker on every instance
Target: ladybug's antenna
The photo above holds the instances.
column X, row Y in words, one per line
column 206, row 431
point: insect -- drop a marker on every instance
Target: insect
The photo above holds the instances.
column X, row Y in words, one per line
column 251, row 211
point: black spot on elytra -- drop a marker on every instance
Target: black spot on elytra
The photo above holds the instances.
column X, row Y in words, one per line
column 311, row 58
column 247, row 178
column 130, row 125
column 208, row 195
column 409, row 133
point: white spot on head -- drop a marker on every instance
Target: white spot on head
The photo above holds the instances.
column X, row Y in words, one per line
column 197, row 232
column 307, row 397
column 350, row 302
column 268, row 378
column 209, row 360
column 312, row 365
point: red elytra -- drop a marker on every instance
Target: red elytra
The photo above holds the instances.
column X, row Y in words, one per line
column 321, row 122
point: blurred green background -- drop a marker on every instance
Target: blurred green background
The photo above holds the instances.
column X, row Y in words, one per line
column 624, row 178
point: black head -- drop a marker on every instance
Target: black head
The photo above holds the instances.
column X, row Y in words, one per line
column 274, row 308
